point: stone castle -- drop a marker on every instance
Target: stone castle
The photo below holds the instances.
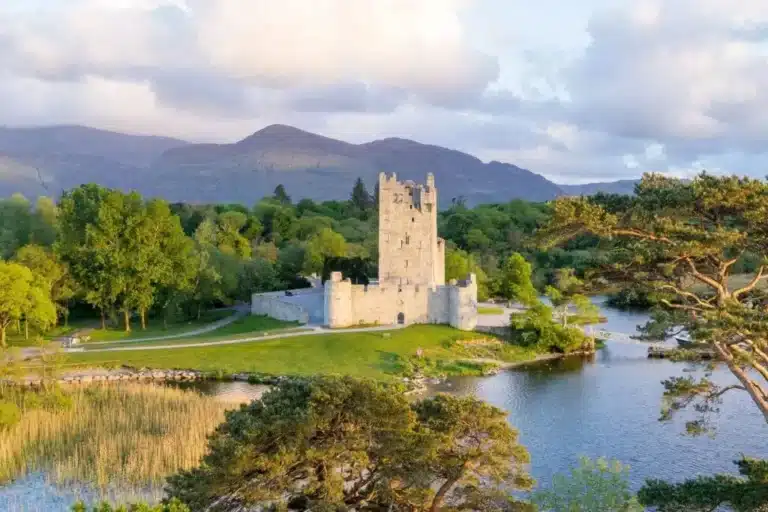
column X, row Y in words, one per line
column 411, row 287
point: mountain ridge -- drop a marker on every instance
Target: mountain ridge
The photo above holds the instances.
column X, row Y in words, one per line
column 307, row 164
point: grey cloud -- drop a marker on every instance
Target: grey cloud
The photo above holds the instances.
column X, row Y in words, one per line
column 351, row 97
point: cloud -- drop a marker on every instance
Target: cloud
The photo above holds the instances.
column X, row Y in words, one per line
column 599, row 90
column 688, row 74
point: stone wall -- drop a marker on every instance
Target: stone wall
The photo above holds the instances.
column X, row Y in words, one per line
column 348, row 305
column 273, row 305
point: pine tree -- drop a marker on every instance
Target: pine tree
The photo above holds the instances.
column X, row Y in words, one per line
column 281, row 195
column 361, row 199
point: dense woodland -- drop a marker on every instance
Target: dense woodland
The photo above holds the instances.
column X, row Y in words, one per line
column 134, row 260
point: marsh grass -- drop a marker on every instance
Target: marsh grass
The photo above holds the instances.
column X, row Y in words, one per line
column 131, row 436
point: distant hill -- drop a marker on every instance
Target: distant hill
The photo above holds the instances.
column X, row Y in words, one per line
column 47, row 160
column 626, row 187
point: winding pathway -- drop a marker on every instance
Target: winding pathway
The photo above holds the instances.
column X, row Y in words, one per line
column 312, row 330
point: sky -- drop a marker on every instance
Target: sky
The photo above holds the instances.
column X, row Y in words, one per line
column 578, row 90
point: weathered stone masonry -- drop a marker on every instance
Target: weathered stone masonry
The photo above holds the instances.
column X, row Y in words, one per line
column 411, row 287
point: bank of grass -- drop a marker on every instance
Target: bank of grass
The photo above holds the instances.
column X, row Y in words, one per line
column 251, row 326
column 381, row 355
column 110, row 436
column 490, row 311
column 156, row 328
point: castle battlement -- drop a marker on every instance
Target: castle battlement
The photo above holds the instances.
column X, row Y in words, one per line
column 411, row 286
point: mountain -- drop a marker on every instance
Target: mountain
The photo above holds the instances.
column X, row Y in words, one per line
column 310, row 165
column 626, row 187
column 48, row 160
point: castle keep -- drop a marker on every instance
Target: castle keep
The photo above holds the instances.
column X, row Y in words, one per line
column 411, row 287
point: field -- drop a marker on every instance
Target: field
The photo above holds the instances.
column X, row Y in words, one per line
column 245, row 327
column 490, row 311
column 377, row 354
column 122, row 436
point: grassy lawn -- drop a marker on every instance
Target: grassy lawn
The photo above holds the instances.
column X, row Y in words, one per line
column 17, row 339
column 380, row 355
column 155, row 328
column 490, row 311
column 246, row 327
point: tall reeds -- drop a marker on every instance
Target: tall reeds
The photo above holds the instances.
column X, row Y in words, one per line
column 112, row 436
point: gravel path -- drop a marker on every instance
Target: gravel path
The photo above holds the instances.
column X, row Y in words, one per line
column 314, row 330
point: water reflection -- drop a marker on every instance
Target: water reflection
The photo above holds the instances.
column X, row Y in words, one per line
column 608, row 406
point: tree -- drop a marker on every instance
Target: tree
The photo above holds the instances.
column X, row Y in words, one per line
column 459, row 264
column 15, row 224
column 326, row 244
column 594, row 486
column 564, row 293
column 467, row 453
column 281, row 195
column 360, row 198
column 748, row 492
column 682, row 240
column 86, row 242
column 340, row 443
column 516, row 281
column 16, row 283
column 229, row 237
column 53, row 275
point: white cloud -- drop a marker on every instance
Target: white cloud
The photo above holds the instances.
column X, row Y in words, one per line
column 599, row 89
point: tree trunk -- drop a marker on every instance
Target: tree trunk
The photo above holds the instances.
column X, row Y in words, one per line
column 2, row 336
column 143, row 319
column 438, row 500
column 199, row 308
column 103, row 320
column 26, row 328
column 755, row 392
column 127, row 317
column 66, row 317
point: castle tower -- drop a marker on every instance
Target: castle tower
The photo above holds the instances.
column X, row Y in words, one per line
column 409, row 250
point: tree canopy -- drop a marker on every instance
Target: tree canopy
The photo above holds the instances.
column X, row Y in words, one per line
column 682, row 240
column 339, row 442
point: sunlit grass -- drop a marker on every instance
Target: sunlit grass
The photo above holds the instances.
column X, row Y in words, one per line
column 375, row 354
column 490, row 311
column 119, row 435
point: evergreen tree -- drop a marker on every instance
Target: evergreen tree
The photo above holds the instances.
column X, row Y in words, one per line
column 361, row 199
column 281, row 195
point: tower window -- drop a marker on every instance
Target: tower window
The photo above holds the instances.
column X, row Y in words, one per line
column 406, row 263
column 407, row 239
column 413, row 219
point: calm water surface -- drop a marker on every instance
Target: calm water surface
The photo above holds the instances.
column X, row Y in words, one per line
column 605, row 406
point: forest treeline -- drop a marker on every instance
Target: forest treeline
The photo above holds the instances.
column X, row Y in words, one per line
column 131, row 258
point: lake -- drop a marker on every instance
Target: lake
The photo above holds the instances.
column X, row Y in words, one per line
column 606, row 405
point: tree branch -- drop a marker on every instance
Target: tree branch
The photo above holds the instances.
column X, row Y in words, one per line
column 704, row 278
column 690, row 295
column 751, row 285
column 636, row 233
